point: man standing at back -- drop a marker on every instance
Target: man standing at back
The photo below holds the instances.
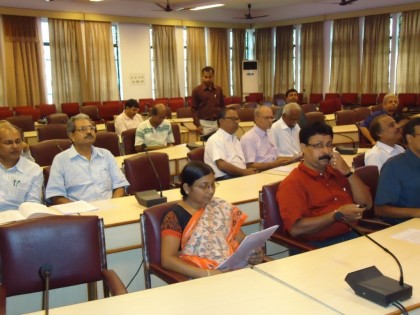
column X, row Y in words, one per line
column 129, row 118
column 207, row 101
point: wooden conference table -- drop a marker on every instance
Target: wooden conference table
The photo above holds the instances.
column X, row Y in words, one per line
column 320, row 273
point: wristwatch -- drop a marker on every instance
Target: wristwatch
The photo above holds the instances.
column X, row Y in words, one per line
column 350, row 172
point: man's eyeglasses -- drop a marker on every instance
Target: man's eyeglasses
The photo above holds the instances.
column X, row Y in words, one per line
column 85, row 128
column 234, row 119
column 320, row 145
column 207, row 186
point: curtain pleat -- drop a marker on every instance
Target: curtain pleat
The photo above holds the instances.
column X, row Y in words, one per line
column 238, row 55
column 196, row 56
column 219, row 57
column 264, row 54
column 283, row 77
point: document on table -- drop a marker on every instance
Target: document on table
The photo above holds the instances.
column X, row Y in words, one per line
column 75, row 207
column 409, row 235
column 251, row 242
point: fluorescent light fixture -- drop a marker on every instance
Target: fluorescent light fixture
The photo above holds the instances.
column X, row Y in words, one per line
column 209, row 6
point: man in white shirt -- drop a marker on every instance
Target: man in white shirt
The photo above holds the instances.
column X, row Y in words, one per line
column 223, row 151
column 385, row 132
column 129, row 118
column 285, row 131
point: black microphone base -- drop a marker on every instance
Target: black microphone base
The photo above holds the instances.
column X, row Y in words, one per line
column 371, row 284
column 149, row 198
column 346, row 150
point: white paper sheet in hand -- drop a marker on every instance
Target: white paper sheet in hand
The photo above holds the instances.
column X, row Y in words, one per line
column 250, row 243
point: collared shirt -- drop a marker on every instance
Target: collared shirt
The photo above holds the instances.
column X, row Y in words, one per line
column 380, row 153
column 257, row 146
column 76, row 178
column 307, row 193
column 223, row 146
column 303, row 121
column 20, row 183
column 151, row 136
column 286, row 139
column 368, row 120
column 399, row 182
column 123, row 122
column 206, row 102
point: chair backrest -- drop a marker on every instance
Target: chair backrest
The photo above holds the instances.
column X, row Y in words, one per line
column 359, row 160
column 140, row 164
column 235, row 106
column 310, row 107
column 47, row 109
column 349, row 99
column 345, row 117
column 108, row 140
column 315, row 98
column 369, row 174
column 315, row 116
column 128, row 140
column 53, row 131
column 107, row 112
column 368, row 99
column 269, row 208
column 196, row 154
column 175, row 103
column 176, row 132
column 44, row 152
column 91, row 111
column 5, row 113
column 58, row 118
column 380, row 98
column 73, row 245
column 363, row 141
column 361, row 113
column 184, row 112
column 246, row 114
column 250, row 105
column 71, row 109
column 110, row 126
column 330, row 106
column 23, row 110
column 25, row 122
column 92, row 103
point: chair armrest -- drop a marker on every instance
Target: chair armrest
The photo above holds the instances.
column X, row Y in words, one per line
column 113, row 282
column 2, row 300
column 289, row 242
column 373, row 224
column 168, row 276
column 267, row 259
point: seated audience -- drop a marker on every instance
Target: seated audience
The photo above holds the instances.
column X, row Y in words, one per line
column 259, row 151
column 201, row 231
column 21, row 178
column 156, row 132
column 390, row 108
column 84, row 172
column 26, row 152
column 292, row 96
column 285, row 132
column 385, row 132
column 129, row 118
column 397, row 197
column 223, row 151
column 320, row 186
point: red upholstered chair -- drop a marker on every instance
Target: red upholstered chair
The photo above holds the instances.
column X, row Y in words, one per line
column 227, row 100
column 184, row 112
column 349, row 100
column 331, row 96
column 110, row 126
column 71, row 109
column 92, row 112
column 246, row 114
column 315, row 116
column 254, row 97
column 44, row 152
column 369, row 174
column 363, row 141
column 311, row 107
column 34, row 112
column 128, row 138
column 177, row 133
column 188, row 100
column 407, row 100
column 250, row 105
column 46, row 109
column 113, row 103
column 25, row 122
column 380, row 99
column 140, row 164
column 5, row 113
column 362, row 113
column 58, row 118
column 368, row 99
column 175, row 103
column 270, row 215
column 107, row 112
column 74, row 246
column 359, row 160
column 150, row 221
column 145, row 102
column 53, row 131
column 345, row 117
column 108, row 140
column 235, row 106
column 315, row 98
column 92, row 103
column 236, row 100
column 196, row 154
column 328, row 106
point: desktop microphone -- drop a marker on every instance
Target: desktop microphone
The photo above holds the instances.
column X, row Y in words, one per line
column 369, row 282
column 346, row 150
column 45, row 271
column 150, row 198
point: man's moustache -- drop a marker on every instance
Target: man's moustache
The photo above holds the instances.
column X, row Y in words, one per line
column 325, row 157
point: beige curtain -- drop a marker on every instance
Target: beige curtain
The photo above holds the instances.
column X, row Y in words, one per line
column 312, row 58
column 196, row 56
column 238, row 55
column 3, row 102
column 23, row 61
column 219, row 57
column 264, row 54
column 283, row 77
column 345, row 59
column 408, row 70
column 166, row 66
column 100, row 63
column 375, row 62
column 67, row 61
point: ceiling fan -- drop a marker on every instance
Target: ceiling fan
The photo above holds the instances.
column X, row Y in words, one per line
column 249, row 16
column 167, row 7
column 346, row 2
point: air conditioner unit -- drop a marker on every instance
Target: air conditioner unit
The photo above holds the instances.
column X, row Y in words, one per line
column 250, row 77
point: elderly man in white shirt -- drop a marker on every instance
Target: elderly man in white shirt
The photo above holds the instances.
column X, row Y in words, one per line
column 385, row 132
column 223, row 151
column 285, row 132
column 129, row 118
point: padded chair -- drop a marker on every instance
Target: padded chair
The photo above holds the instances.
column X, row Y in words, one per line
column 5, row 113
column 46, row 109
column 359, row 160
column 58, row 118
column 315, row 116
column 349, row 100
column 363, row 141
column 246, row 114
column 44, row 152
column 25, row 122
column 70, row 109
column 254, row 97
column 407, row 100
column 345, row 117
column 270, row 215
column 175, row 103
column 236, row 99
column 177, row 133
column 140, row 164
column 73, row 245
column 368, row 99
column 23, row 111
column 53, row 131
column 380, row 99
column 331, row 96
column 369, row 174
column 235, row 106
column 362, row 113
column 315, row 98
column 250, row 105
column 145, row 102
column 150, row 221
column 196, row 154
column 329, row 106
column 92, row 103
column 107, row 112
column 92, row 111
column 108, row 140
column 184, row 112
column 110, row 126
column 307, row 108
column 128, row 138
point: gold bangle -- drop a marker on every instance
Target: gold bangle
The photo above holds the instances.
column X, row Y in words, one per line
column 208, row 273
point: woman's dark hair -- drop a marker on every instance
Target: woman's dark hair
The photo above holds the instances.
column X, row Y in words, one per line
column 316, row 128
column 193, row 171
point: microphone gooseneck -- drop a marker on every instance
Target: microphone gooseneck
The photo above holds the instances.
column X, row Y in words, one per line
column 46, row 271
column 144, row 146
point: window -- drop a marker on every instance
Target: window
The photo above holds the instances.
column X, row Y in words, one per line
column 47, row 60
column 115, row 42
